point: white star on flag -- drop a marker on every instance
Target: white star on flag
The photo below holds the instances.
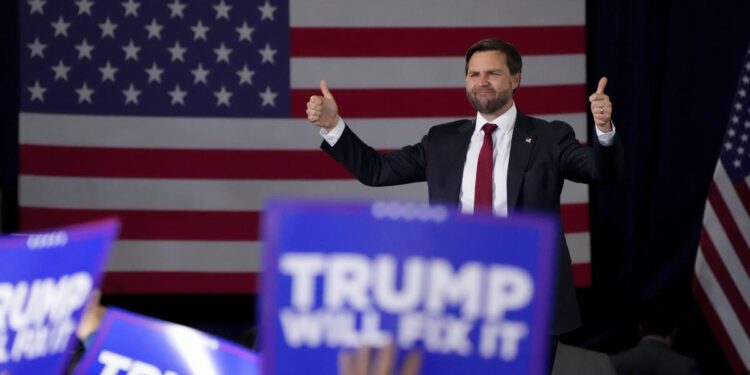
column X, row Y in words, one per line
column 84, row 50
column 222, row 97
column 246, row 75
column 61, row 71
column 222, row 10
column 37, row 48
column 131, row 95
column 84, row 93
column 131, row 51
column 37, row 92
column 176, row 9
column 199, row 31
column 200, row 74
column 222, row 53
column 108, row 72
column 178, row 52
column 154, row 73
column 108, row 28
column 131, row 8
column 269, row 97
column 246, row 33
column 37, row 6
column 154, row 29
column 84, row 6
column 267, row 54
column 61, row 27
column 266, row 11
column 178, row 96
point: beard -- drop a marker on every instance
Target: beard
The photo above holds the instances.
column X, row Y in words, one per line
column 491, row 105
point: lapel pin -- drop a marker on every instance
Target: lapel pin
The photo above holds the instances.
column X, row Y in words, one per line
column 528, row 139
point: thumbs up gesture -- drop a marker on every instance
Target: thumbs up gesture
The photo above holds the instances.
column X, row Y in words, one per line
column 601, row 107
column 322, row 111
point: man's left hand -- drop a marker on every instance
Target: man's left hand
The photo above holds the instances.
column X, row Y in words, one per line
column 601, row 107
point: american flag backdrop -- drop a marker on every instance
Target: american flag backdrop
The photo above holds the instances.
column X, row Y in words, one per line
column 722, row 268
column 182, row 116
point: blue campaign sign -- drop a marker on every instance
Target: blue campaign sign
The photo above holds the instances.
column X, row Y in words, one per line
column 128, row 343
column 45, row 282
column 471, row 293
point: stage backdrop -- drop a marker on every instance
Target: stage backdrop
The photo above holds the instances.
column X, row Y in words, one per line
column 181, row 117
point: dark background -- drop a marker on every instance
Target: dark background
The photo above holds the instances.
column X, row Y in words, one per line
column 673, row 69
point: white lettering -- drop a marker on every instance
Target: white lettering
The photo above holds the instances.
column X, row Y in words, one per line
column 384, row 275
column 347, row 281
column 303, row 268
column 508, row 288
column 463, row 287
column 113, row 362
column 509, row 335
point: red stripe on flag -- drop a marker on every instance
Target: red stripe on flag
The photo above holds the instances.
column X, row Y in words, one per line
column 180, row 283
column 202, row 225
column 582, row 274
column 426, row 41
column 441, row 102
column 718, row 328
column 744, row 193
column 575, row 217
column 739, row 246
column 719, row 269
column 222, row 283
column 179, row 163
column 154, row 225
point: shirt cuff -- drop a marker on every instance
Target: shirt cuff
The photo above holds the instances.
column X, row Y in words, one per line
column 606, row 139
column 333, row 136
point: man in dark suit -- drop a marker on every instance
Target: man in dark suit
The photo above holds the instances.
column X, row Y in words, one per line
column 654, row 354
column 520, row 167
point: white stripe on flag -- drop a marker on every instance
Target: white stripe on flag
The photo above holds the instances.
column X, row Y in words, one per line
column 735, row 206
column 230, row 256
column 436, row 72
column 727, row 252
column 225, row 133
column 212, row 195
column 723, row 309
column 442, row 13
column 185, row 256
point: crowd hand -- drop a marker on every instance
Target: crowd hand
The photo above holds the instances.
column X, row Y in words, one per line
column 601, row 107
column 359, row 362
column 92, row 316
column 322, row 111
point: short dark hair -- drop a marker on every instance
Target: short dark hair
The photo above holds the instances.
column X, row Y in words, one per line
column 493, row 44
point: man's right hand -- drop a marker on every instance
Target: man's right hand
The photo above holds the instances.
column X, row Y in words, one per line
column 322, row 111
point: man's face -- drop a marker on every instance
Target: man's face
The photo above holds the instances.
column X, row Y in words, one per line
column 489, row 84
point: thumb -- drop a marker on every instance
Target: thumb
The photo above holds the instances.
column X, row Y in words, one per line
column 602, row 84
column 324, row 88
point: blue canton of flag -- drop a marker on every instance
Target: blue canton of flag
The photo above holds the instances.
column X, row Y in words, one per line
column 735, row 155
column 151, row 58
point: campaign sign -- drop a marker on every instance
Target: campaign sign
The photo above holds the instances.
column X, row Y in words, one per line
column 127, row 343
column 45, row 282
column 471, row 293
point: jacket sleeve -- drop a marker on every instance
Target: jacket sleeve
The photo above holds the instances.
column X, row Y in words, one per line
column 373, row 168
column 588, row 164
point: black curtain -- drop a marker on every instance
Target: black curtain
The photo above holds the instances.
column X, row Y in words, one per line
column 673, row 69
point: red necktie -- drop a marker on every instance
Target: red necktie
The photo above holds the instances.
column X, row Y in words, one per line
column 483, row 187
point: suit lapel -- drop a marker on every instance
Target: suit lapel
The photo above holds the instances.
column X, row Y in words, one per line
column 521, row 147
column 455, row 169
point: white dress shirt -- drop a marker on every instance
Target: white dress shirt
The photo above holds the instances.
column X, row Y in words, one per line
column 500, row 153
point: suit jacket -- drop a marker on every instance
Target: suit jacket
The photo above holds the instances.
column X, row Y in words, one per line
column 653, row 357
column 542, row 155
